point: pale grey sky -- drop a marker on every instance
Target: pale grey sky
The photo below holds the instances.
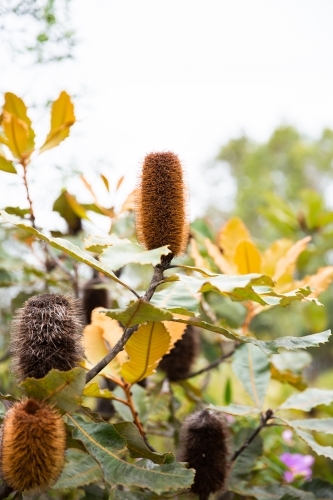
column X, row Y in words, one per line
column 184, row 75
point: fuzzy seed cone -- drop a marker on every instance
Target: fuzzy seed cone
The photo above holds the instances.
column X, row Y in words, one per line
column 46, row 334
column 203, row 444
column 161, row 217
column 94, row 297
column 177, row 364
column 33, row 444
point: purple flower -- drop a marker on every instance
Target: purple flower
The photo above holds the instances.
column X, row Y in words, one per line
column 299, row 466
column 287, row 436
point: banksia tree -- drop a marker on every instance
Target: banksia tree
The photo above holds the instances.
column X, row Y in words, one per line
column 161, row 217
column 203, row 444
column 33, row 441
column 46, row 334
column 177, row 364
column 94, row 296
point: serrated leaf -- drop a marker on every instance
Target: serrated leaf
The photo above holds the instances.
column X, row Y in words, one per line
column 136, row 445
column 324, row 425
column 247, row 257
column 102, row 441
column 318, row 282
column 286, row 264
column 251, row 366
column 270, row 492
column 8, row 397
column 80, row 469
column 269, row 346
column 16, row 133
column 7, row 165
column 176, row 299
column 93, row 390
column 237, row 410
column 138, row 312
column 326, row 451
column 64, row 245
column 61, row 388
column 62, row 118
column 295, row 362
column 124, row 252
column 145, row 349
column 15, row 106
column 273, row 254
column 308, row 399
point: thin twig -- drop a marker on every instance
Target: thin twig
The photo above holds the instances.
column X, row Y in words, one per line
column 263, row 423
column 25, row 181
column 156, row 280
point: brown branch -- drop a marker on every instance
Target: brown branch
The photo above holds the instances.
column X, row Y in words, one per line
column 263, row 423
column 156, row 280
column 25, row 182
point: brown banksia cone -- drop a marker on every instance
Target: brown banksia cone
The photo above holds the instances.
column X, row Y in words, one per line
column 177, row 364
column 204, row 445
column 33, row 443
column 161, row 203
column 94, row 296
column 46, row 334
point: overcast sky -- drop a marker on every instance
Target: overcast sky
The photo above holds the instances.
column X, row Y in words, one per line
column 181, row 75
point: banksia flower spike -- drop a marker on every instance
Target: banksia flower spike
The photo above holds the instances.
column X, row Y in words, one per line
column 33, row 442
column 94, row 297
column 161, row 199
column 46, row 334
column 177, row 364
column 203, row 444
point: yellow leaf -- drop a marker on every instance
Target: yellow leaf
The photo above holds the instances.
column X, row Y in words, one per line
column 62, row 118
column 112, row 331
column 247, row 258
column 119, row 183
column 17, row 134
column 287, row 263
column 222, row 263
column 94, row 391
column 145, row 348
column 15, row 106
column 95, row 347
column 175, row 330
column 232, row 233
column 273, row 254
column 319, row 281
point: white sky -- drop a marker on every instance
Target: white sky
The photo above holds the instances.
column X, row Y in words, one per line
column 181, row 75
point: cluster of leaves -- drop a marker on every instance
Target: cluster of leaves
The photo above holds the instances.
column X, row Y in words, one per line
column 220, row 287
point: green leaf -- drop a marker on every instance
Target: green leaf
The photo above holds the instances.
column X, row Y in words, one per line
column 62, row 118
column 136, row 445
column 8, row 397
column 94, row 391
column 102, row 441
column 124, row 252
column 324, row 425
column 322, row 489
column 80, row 469
column 176, row 298
column 290, row 361
column 247, row 460
column 62, row 388
column 64, row 245
column 251, row 366
column 7, row 165
column 21, row 212
column 268, row 347
column 69, row 209
column 270, row 492
column 326, row 451
column 308, row 399
column 237, row 410
column 138, row 312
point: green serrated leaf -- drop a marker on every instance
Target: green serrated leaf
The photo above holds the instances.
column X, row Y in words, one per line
column 270, row 492
column 326, row 451
column 308, row 399
column 251, row 366
column 237, row 410
column 64, row 245
column 62, row 388
column 139, row 312
column 124, row 252
column 136, row 445
column 324, row 425
column 176, row 298
column 80, row 469
column 102, row 442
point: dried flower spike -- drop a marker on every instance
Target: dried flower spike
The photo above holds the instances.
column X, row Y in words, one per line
column 33, row 443
column 94, row 297
column 46, row 334
column 203, row 444
column 161, row 217
column 177, row 364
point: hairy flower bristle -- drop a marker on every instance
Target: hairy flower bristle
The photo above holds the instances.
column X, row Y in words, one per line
column 203, row 444
column 46, row 334
column 161, row 217
column 177, row 364
column 33, row 443
column 94, row 296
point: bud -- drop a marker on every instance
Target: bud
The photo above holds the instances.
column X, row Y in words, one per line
column 33, row 443
column 46, row 334
column 161, row 217
column 94, row 297
column 203, row 444
column 177, row 364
